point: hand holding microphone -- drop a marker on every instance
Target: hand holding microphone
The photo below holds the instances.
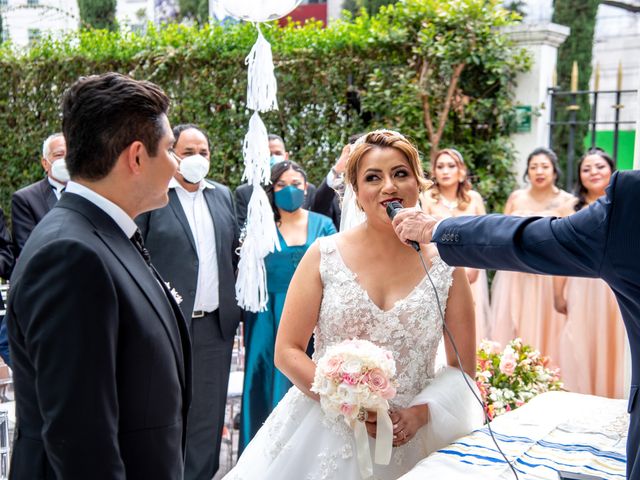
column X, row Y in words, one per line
column 412, row 226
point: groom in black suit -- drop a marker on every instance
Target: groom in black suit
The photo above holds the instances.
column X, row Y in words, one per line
column 192, row 242
column 601, row 241
column 100, row 350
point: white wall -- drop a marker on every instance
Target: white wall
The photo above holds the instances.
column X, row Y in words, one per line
column 616, row 39
column 61, row 16
column 542, row 42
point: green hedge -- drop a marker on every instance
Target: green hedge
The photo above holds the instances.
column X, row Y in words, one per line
column 355, row 75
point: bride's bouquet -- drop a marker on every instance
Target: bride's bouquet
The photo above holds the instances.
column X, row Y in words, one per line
column 352, row 378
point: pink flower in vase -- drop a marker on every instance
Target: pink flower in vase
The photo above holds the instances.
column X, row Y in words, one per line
column 508, row 362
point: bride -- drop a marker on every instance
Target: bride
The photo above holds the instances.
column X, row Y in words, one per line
column 364, row 283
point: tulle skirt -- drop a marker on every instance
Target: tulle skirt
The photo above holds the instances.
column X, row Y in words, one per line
column 593, row 340
column 480, row 292
column 522, row 306
column 298, row 442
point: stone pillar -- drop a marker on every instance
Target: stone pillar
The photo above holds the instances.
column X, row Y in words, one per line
column 542, row 42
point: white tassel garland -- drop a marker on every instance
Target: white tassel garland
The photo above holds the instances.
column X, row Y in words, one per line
column 262, row 86
column 255, row 151
column 261, row 239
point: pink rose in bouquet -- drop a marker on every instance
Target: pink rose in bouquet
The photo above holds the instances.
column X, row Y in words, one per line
column 354, row 377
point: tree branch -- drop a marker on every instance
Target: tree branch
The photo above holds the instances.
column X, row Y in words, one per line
column 444, row 114
column 623, row 5
column 424, row 97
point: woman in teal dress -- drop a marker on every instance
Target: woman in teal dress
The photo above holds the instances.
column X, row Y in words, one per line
column 264, row 385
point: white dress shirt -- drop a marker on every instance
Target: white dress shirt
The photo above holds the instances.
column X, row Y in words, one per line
column 118, row 215
column 199, row 217
column 57, row 187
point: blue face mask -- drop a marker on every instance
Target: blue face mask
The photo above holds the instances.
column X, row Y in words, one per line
column 289, row 199
column 275, row 159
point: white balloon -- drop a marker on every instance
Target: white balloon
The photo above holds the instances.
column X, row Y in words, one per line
column 259, row 10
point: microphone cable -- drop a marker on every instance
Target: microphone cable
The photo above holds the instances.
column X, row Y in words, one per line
column 392, row 209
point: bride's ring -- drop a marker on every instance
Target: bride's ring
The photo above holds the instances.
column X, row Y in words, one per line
column 363, row 415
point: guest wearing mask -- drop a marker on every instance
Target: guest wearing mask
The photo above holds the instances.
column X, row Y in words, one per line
column 192, row 242
column 31, row 203
column 243, row 192
column 264, row 385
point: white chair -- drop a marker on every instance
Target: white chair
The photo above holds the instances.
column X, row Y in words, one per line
column 234, row 399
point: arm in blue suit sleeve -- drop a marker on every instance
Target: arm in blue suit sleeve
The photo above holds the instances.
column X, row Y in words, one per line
column 558, row 246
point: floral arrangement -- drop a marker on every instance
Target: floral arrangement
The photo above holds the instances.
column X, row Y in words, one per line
column 509, row 378
column 352, row 378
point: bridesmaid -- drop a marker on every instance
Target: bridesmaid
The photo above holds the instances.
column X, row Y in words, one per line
column 593, row 340
column 264, row 385
column 451, row 196
column 522, row 303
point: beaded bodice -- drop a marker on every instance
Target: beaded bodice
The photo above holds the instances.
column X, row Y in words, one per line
column 411, row 329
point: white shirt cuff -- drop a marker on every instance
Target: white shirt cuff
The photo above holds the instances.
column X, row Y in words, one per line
column 330, row 178
column 434, row 234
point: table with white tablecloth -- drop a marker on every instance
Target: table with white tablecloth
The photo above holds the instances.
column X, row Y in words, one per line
column 554, row 431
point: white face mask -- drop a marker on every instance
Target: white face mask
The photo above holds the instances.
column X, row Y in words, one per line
column 59, row 170
column 194, row 168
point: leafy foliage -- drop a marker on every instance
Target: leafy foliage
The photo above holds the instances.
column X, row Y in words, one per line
column 98, row 13
column 580, row 16
column 197, row 10
column 371, row 7
column 357, row 74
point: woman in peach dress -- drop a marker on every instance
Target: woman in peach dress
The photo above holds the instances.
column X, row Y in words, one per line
column 593, row 340
column 451, row 196
column 522, row 303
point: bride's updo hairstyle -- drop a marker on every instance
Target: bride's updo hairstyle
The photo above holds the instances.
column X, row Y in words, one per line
column 384, row 139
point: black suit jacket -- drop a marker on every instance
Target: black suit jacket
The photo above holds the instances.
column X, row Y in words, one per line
column 600, row 241
column 326, row 202
column 243, row 195
column 101, row 355
column 28, row 206
column 6, row 253
column 6, row 266
column 173, row 251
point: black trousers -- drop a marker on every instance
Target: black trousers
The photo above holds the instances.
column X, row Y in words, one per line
column 211, row 363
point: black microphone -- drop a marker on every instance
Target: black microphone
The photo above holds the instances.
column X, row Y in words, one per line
column 392, row 209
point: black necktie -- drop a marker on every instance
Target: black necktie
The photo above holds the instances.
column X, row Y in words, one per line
column 139, row 244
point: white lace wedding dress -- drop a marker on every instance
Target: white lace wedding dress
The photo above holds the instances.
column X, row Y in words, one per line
column 297, row 442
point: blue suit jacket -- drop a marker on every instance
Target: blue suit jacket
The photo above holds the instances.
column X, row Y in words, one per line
column 601, row 241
